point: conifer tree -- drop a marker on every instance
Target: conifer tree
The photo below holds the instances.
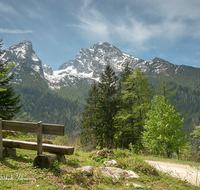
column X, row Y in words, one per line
column 166, row 91
column 108, row 104
column 91, row 121
column 136, row 101
column 99, row 111
column 121, row 135
column 9, row 102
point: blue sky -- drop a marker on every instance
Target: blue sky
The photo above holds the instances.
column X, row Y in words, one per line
column 146, row 29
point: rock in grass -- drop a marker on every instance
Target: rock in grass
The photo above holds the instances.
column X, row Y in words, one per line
column 138, row 186
column 86, row 170
column 117, row 173
column 105, row 153
column 110, row 163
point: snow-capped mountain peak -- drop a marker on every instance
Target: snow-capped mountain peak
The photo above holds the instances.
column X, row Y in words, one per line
column 23, row 53
column 87, row 66
column 90, row 63
column 47, row 70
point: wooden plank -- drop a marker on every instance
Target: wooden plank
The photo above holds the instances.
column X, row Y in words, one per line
column 52, row 129
column 39, row 138
column 1, row 143
column 56, row 149
column 29, row 127
column 26, row 127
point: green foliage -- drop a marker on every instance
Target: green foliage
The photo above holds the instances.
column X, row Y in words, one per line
column 9, row 102
column 98, row 114
column 108, row 105
column 163, row 128
column 61, row 140
column 127, row 71
column 75, row 92
column 43, row 104
column 166, row 91
column 25, row 135
column 136, row 95
column 91, row 126
column 72, row 162
column 116, row 109
column 5, row 70
column 66, row 176
column 120, row 153
column 102, row 159
column 139, row 165
column 186, row 152
column 55, row 168
column 25, row 117
column 187, row 96
column 196, row 133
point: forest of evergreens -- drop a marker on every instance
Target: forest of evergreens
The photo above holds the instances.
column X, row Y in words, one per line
column 115, row 107
column 121, row 112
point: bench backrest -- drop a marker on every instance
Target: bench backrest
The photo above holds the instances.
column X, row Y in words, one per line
column 29, row 127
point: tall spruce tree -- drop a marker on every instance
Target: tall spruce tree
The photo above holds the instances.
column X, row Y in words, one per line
column 121, row 134
column 165, row 90
column 108, row 104
column 91, row 129
column 99, row 112
column 136, row 101
column 9, row 102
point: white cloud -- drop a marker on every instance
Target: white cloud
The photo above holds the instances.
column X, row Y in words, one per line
column 86, row 3
column 16, row 31
column 168, row 21
column 6, row 8
column 178, row 17
column 93, row 24
column 174, row 9
column 136, row 33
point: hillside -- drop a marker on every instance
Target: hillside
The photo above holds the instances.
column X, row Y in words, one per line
column 58, row 96
column 17, row 172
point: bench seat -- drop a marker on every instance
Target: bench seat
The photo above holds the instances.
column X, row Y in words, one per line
column 56, row 149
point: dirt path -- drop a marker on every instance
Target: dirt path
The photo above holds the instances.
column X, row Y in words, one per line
column 185, row 172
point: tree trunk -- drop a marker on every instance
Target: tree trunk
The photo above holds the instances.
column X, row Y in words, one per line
column 46, row 160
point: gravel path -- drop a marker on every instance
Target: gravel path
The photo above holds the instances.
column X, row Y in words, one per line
column 185, row 172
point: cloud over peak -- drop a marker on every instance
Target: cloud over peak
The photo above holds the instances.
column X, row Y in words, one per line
column 15, row 31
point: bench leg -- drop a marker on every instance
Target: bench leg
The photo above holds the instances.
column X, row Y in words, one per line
column 61, row 157
column 9, row 151
column 46, row 160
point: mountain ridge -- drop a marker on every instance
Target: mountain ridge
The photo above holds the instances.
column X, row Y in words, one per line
column 88, row 64
column 73, row 78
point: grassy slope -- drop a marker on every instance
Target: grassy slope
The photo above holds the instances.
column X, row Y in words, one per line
column 65, row 175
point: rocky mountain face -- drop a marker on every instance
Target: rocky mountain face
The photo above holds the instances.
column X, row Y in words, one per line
column 87, row 66
column 72, row 80
column 90, row 63
column 23, row 55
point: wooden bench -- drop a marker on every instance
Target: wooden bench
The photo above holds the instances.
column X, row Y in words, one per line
column 39, row 128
